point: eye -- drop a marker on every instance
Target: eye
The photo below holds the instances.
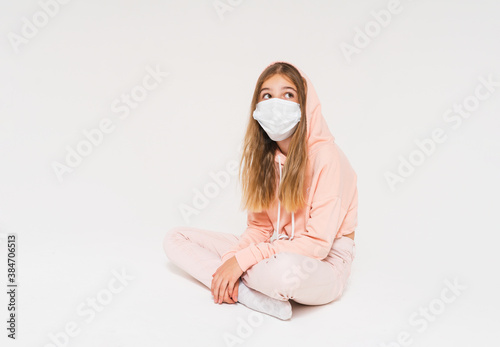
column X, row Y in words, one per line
column 264, row 96
column 290, row 94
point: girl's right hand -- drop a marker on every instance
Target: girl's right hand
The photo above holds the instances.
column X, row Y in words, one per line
column 229, row 299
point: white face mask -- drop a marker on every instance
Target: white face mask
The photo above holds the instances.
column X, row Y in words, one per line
column 278, row 117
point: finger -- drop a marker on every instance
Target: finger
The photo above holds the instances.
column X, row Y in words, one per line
column 222, row 288
column 230, row 298
column 214, row 282
column 216, row 289
column 235, row 291
column 219, row 292
column 230, row 289
column 234, row 294
column 227, row 298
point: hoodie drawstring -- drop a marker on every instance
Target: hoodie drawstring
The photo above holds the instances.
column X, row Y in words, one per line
column 283, row 236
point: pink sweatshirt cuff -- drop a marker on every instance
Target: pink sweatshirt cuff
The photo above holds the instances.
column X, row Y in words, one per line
column 245, row 258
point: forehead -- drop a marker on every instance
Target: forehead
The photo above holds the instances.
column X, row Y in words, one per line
column 277, row 81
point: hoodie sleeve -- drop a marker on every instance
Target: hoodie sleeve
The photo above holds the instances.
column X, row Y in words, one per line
column 326, row 216
column 259, row 229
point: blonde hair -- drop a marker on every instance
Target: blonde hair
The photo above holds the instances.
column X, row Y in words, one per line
column 258, row 169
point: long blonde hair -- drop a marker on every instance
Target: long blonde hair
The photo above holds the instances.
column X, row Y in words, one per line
column 258, row 169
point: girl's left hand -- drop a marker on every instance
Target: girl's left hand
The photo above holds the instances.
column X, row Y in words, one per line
column 226, row 276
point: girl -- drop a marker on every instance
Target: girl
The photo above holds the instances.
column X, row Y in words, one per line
column 301, row 196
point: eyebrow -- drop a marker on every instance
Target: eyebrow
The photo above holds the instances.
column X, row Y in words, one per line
column 281, row 89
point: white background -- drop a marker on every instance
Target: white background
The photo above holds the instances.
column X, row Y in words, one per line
column 112, row 212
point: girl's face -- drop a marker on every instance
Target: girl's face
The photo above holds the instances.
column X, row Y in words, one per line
column 278, row 86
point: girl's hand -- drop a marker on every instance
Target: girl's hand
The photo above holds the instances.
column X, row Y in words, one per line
column 225, row 279
column 227, row 299
column 231, row 298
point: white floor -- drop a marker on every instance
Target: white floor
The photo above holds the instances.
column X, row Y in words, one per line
column 63, row 263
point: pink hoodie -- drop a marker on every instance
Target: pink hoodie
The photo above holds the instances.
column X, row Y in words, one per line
column 332, row 201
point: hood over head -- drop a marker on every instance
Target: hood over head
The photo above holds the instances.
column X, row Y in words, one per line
column 317, row 128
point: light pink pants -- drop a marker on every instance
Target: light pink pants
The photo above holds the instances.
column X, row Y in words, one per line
column 283, row 276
